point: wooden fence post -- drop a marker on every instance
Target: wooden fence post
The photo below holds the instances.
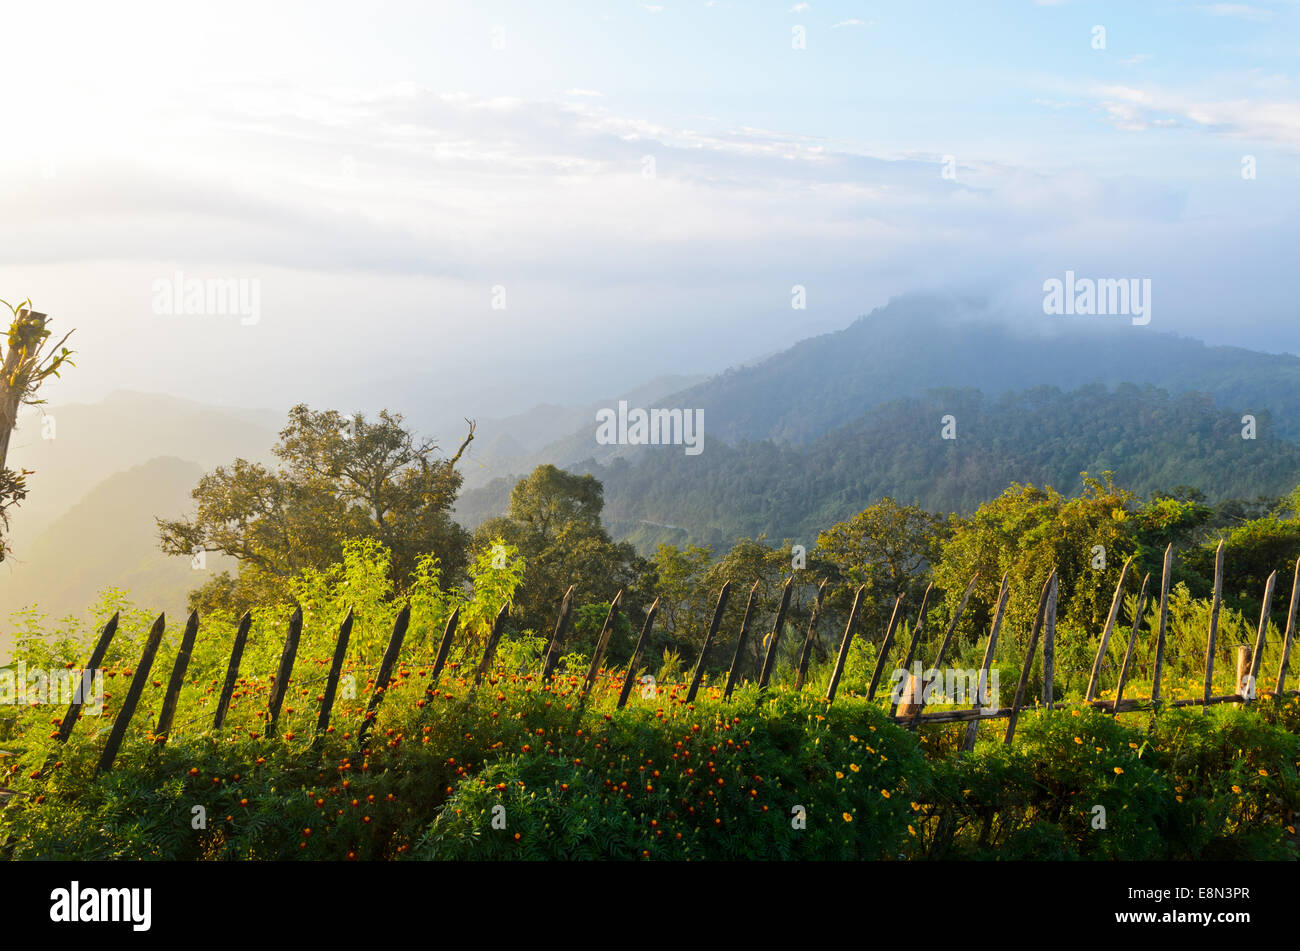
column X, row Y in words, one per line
column 1164, row 620
column 916, row 640
column 698, row 674
column 806, row 655
column 943, row 649
column 385, row 673
column 606, row 632
column 1029, row 661
column 844, row 646
column 1132, row 640
column 1243, row 667
column 285, row 670
column 232, row 670
column 1290, row 631
column 444, row 647
column 132, row 696
column 737, row 657
column 769, row 662
column 1049, row 645
column 552, row 656
column 885, row 645
column 498, row 626
column 981, row 687
column 1115, row 603
column 92, row 665
column 1257, row 656
column 177, row 681
column 336, row 669
column 1215, row 605
column 636, row 654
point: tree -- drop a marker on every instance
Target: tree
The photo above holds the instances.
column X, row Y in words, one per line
column 554, row 523
column 341, row 478
column 26, row 363
column 888, row 547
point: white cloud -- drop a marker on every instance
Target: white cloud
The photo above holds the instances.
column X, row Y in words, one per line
column 853, row 22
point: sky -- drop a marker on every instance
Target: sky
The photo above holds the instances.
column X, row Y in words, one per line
column 466, row 209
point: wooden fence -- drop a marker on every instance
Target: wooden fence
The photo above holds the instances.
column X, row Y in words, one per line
column 910, row 713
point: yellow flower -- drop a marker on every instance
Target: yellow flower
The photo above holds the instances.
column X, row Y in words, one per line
column 1179, row 798
column 1079, row 741
column 853, row 738
column 1132, row 746
column 916, row 807
column 885, row 793
column 1263, row 772
column 1119, row 770
column 910, row 830
column 1237, row 790
column 854, row 766
column 847, row 817
column 838, row 774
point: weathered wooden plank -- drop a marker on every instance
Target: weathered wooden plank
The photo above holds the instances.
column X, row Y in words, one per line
column 133, row 693
column 774, row 639
column 1163, row 623
column 947, row 639
column 232, row 670
column 284, row 672
column 1029, row 660
column 805, row 657
column 498, row 627
column 636, row 654
column 385, row 673
column 1115, row 602
column 1290, row 630
column 915, row 642
column 89, row 671
column 697, row 676
column 1215, row 605
column 602, row 642
column 1049, row 645
column 336, row 671
column 1251, row 689
column 177, row 681
column 972, row 731
column 738, row 657
column 1132, row 640
column 885, row 645
column 444, row 647
column 847, row 640
column 552, row 656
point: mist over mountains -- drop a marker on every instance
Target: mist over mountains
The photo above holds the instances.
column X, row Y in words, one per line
column 793, row 442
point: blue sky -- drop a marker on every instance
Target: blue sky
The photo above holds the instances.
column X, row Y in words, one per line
column 380, row 168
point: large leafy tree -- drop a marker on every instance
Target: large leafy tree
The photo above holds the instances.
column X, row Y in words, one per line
column 554, row 523
column 340, row 478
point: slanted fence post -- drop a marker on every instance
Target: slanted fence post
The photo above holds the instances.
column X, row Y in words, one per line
column 498, row 626
column 844, row 646
column 1257, row 656
column 741, row 638
column 636, row 654
column 943, row 650
column 552, row 656
column 92, row 665
column 916, row 640
column 1215, row 605
column 698, row 674
column 885, row 645
column 1132, row 640
column 385, row 674
column 132, row 696
column 1115, row 603
column 336, row 670
column 1029, row 661
column 1049, row 645
column 774, row 639
column 177, row 681
column 1290, row 631
column 981, row 685
column 806, row 655
column 285, row 670
column 606, row 632
column 232, row 670
column 1164, row 620
column 444, row 646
